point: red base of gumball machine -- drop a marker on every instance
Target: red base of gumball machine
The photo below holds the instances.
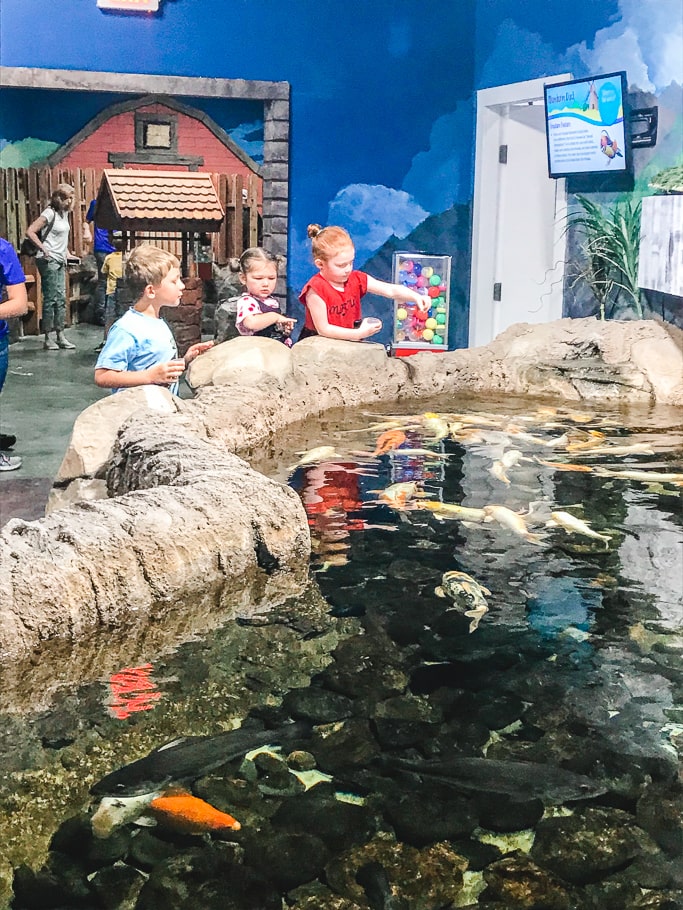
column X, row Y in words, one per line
column 406, row 352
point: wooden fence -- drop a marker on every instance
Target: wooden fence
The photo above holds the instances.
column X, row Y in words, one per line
column 24, row 193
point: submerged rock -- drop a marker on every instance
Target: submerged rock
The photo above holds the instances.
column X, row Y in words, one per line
column 520, row 884
column 589, row 845
column 422, row 878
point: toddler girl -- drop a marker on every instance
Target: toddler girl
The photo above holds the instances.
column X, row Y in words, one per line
column 332, row 297
column 258, row 312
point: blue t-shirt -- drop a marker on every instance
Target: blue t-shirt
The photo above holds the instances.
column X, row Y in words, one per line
column 137, row 342
column 11, row 272
column 101, row 241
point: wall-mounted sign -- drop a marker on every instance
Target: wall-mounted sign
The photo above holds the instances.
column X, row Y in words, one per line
column 130, row 6
column 585, row 126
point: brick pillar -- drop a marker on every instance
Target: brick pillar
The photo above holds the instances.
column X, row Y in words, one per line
column 185, row 320
column 275, row 172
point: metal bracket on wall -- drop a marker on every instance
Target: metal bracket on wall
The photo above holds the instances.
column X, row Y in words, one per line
column 643, row 122
column 498, row 291
column 502, row 154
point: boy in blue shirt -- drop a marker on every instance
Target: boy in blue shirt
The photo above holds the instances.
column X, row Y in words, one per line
column 140, row 348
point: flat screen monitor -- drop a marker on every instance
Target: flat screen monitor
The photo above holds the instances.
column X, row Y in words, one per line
column 585, row 126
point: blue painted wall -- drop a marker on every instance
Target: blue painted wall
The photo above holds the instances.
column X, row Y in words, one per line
column 382, row 91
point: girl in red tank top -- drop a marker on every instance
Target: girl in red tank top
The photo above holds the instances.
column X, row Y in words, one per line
column 332, row 297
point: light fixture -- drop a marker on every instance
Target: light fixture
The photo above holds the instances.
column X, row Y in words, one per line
column 130, row 6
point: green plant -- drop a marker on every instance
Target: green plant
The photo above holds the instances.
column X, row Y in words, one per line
column 610, row 251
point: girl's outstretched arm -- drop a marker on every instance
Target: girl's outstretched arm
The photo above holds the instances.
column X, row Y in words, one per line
column 398, row 292
column 318, row 311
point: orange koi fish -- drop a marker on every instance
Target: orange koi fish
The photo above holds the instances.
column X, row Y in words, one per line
column 391, row 439
column 564, row 466
column 188, row 814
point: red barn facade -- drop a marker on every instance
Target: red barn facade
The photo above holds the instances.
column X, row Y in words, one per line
column 154, row 132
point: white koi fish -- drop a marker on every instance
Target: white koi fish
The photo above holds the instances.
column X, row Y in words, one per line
column 508, row 460
column 636, row 448
column 313, row 456
column 435, row 425
column 114, row 811
column 644, row 476
column 573, row 525
column 513, row 521
column 449, row 510
column 398, row 495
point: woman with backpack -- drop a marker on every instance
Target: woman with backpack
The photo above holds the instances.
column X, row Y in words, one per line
column 50, row 233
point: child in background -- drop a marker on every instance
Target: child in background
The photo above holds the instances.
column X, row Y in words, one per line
column 140, row 348
column 112, row 269
column 258, row 312
column 332, row 298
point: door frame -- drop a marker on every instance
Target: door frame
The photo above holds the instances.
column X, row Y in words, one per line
column 491, row 106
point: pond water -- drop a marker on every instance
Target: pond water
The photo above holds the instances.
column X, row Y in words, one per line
column 510, row 737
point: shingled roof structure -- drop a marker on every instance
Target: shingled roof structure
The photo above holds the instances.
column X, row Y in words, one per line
column 151, row 200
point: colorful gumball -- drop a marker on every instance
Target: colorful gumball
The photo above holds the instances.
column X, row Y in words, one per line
column 421, row 281
column 417, row 268
column 411, row 280
column 420, row 316
column 401, row 313
column 427, row 335
column 427, row 271
column 433, row 292
column 430, row 323
column 437, row 339
column 408, row 265
column 435, row 280
column 441, row 319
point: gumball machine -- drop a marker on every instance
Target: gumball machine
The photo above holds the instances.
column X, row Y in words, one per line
column 415, row 329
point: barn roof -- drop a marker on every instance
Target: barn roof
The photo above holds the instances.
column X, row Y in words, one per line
column 145, row 101
column 148, row 200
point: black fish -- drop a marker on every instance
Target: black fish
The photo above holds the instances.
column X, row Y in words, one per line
column 191, row 757
column 521, row 780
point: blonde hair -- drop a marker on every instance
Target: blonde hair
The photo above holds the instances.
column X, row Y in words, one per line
column 328, row 241
column 148, row 264
column 62, row 194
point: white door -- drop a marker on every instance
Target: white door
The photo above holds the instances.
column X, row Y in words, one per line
column 518, row 233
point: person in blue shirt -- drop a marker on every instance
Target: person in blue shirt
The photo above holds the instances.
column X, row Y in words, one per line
column 101, row 247
column 140, row 348
column 13, row 302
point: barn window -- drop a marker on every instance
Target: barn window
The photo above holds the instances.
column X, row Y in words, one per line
column 156, row 132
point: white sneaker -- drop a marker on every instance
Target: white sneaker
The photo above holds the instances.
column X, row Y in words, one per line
column 9, row 462
column 64, row 343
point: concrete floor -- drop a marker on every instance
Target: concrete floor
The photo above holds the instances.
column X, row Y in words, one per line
column 43, row 394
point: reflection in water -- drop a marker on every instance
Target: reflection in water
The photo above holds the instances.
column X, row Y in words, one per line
column 131, row 690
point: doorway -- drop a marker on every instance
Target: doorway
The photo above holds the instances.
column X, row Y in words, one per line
column 518, row 232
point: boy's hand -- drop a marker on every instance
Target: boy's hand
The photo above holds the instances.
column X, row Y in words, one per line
column 423, row 303
column 166, row 373
column 196, row 349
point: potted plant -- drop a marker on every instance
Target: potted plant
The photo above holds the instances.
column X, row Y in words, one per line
column 609, row 246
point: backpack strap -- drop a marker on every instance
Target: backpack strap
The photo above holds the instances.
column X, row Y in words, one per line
column 52, row 224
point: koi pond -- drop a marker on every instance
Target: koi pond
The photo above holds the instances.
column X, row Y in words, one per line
column 478, row 701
